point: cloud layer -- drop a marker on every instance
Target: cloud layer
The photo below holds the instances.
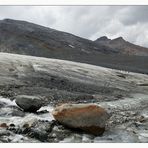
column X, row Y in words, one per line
column 92, row 22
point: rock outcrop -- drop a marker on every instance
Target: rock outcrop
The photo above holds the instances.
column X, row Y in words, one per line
column 29, row 103
column 87, row 117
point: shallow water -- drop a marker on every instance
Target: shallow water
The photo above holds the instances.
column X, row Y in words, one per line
column 129, row 131
column 28, row 116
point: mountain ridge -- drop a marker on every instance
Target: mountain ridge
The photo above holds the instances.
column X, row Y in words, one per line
column 120, row 44
column 31, row 30
column 21, row 37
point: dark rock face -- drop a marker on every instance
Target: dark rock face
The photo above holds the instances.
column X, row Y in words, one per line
column 103, row 40
column 36, row 40
column 122, row 47
column 26, row 38
column 87, row 117
column 29, row 103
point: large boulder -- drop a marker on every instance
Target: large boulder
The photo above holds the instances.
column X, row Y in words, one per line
column 87, row 117
column 29, row 103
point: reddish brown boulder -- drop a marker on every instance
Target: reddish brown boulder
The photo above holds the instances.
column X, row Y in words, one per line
column 87, row 117
column 3, row 125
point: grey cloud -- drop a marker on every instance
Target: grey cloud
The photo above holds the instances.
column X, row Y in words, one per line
column 33, row 14
column 135, row 14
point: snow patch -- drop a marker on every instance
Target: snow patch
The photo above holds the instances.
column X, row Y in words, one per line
column 71, row 46
column 85, row 51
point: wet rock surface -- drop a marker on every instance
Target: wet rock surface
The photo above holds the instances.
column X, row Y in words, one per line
column 87, row 117
column 123, row 126
column 29, row 103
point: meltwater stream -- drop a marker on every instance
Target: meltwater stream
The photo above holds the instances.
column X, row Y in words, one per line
column 128, row 123
column 11, row 114
column 9, row 106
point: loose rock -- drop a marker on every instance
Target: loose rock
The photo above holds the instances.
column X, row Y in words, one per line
column 29, row 103
column 3, row 125
column 87, row 117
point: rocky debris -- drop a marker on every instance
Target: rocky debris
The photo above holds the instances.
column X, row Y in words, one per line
column 59, row 133
column 40, row 130
column 7, row 136
column 47, row 131
column 87, row 117
column 29, row 103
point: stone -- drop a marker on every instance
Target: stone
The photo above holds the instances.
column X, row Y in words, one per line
column 3, row 125
column 29, row 103
column 87, row 117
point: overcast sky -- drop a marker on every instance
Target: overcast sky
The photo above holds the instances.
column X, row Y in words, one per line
column 92, row 22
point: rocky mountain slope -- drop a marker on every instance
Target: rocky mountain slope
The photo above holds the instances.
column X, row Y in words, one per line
column 30, row 39
column 123, row 94
column 122, row 47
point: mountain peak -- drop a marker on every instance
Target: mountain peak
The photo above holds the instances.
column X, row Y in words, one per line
column 7, row 20
column 18, row 36
column 103, row 38
column 119, row 39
